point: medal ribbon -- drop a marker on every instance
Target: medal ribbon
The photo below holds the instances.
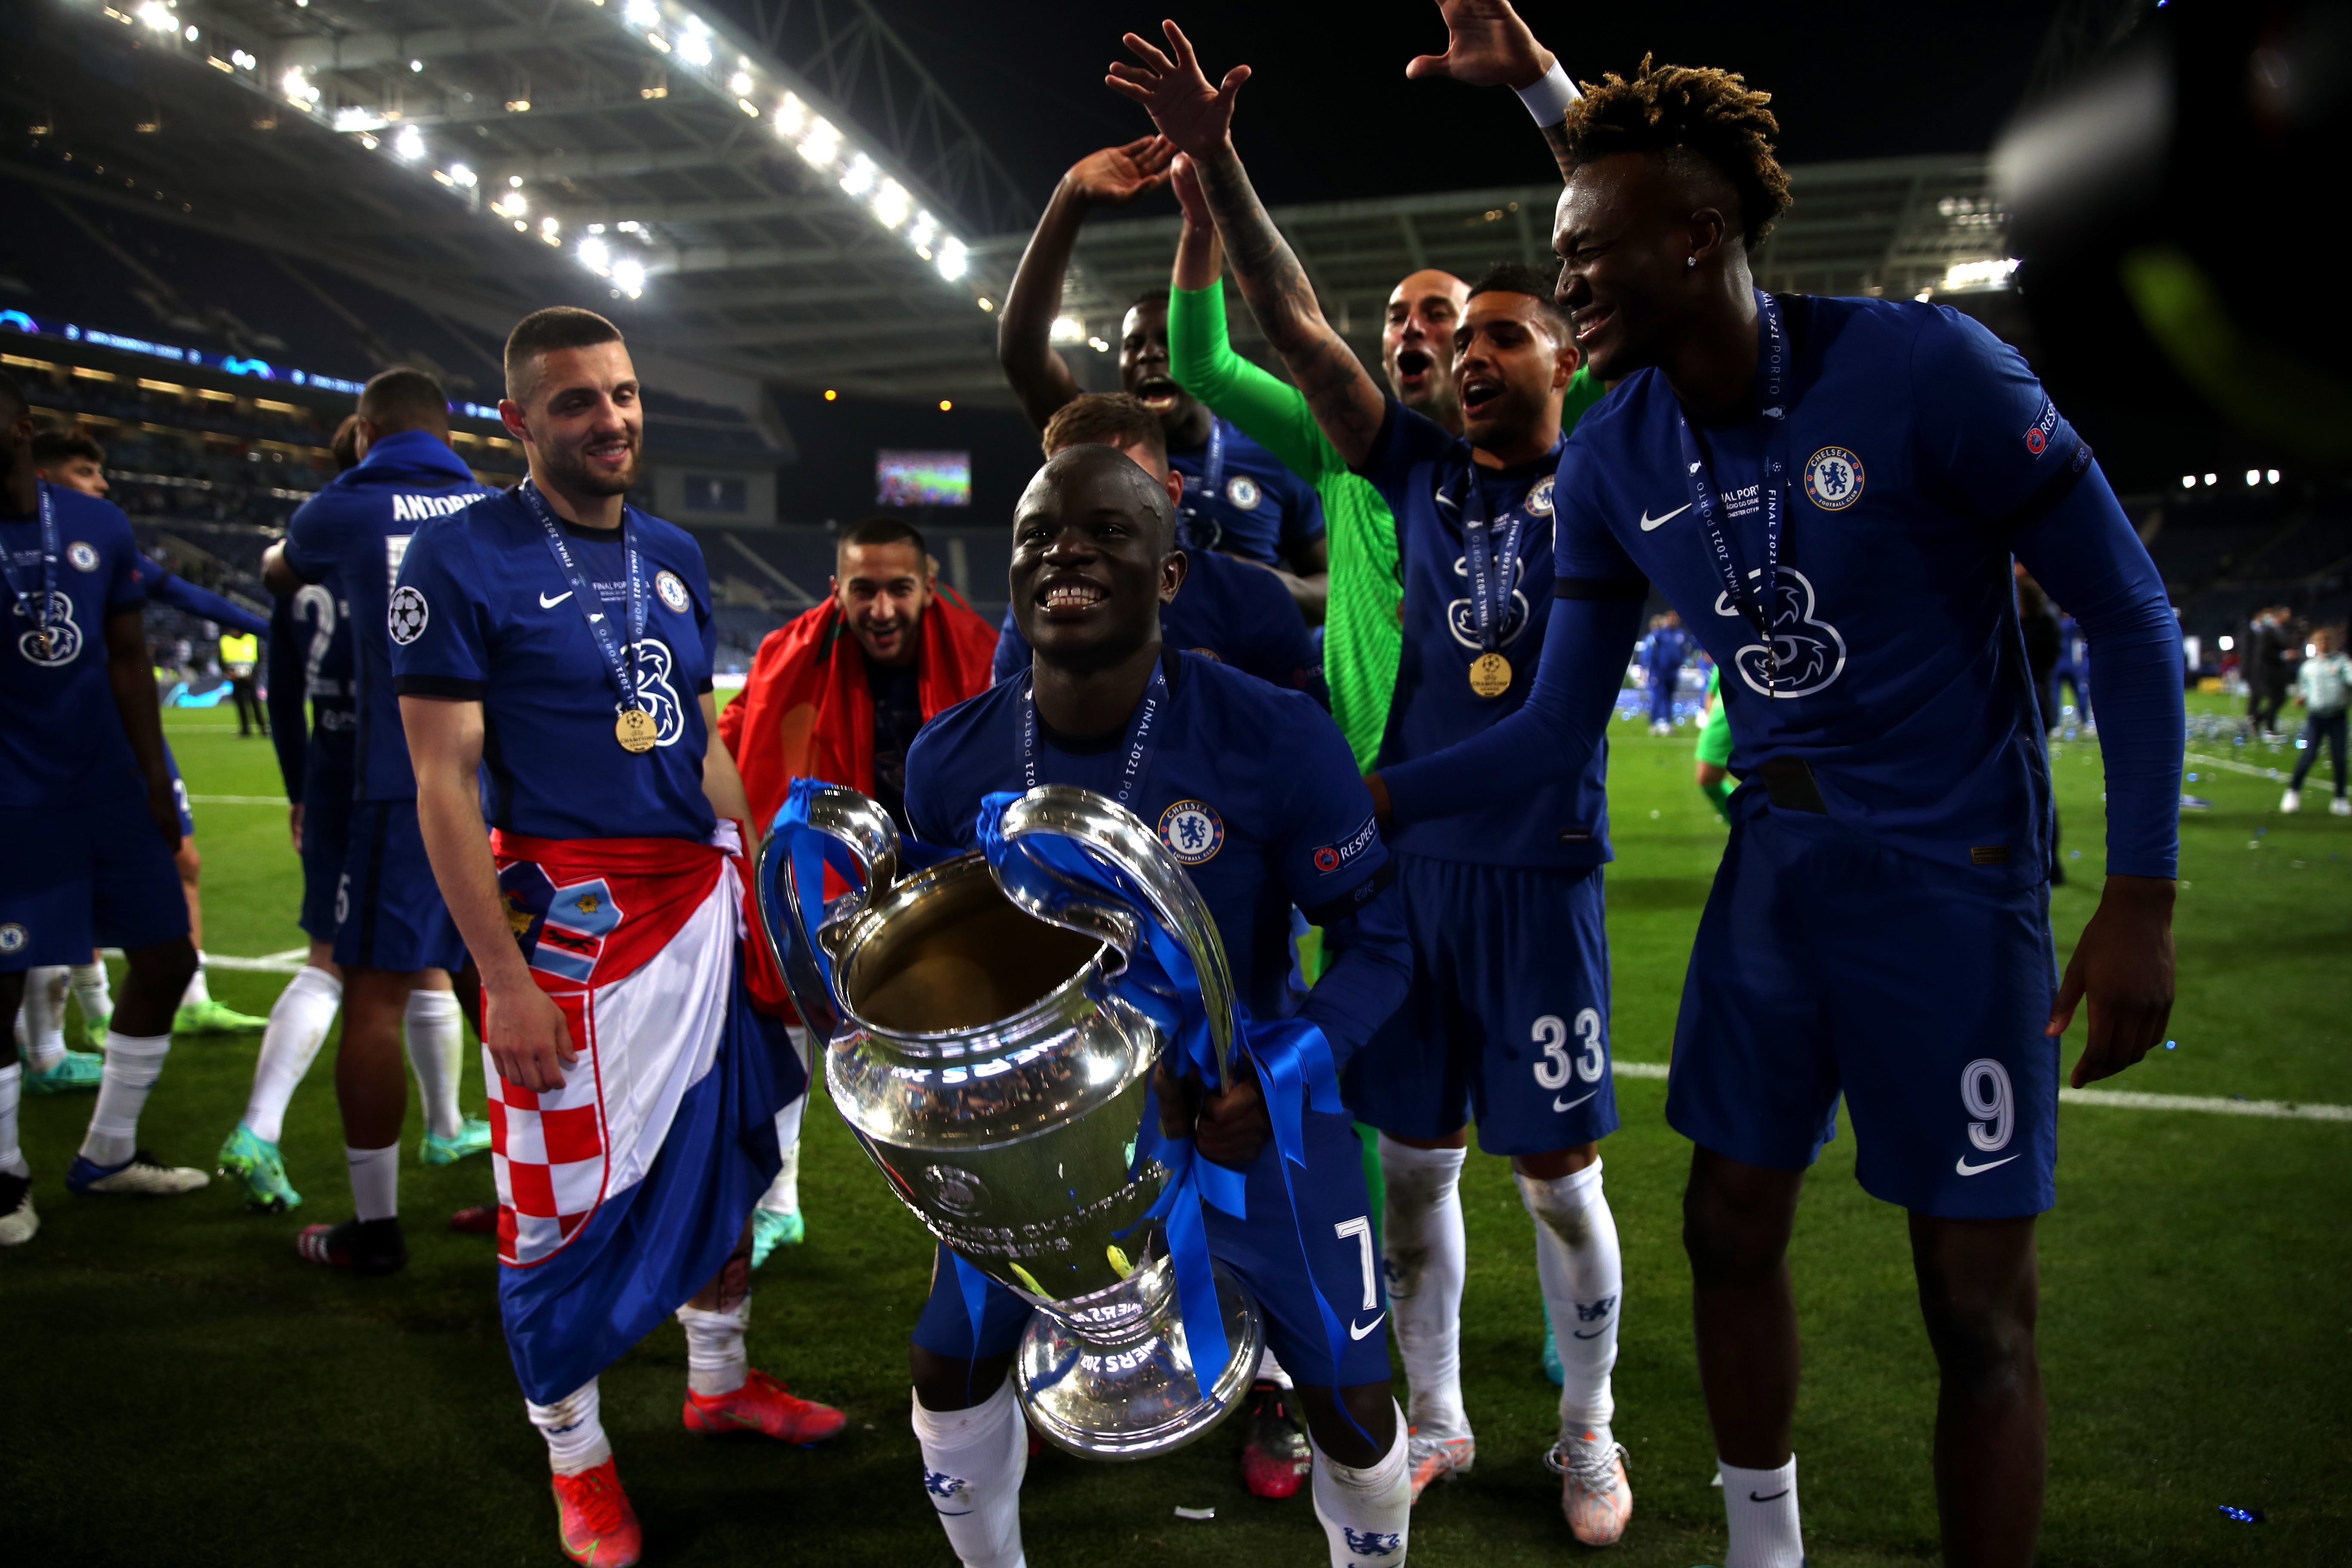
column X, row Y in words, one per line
column 1213, row 480
column 1490, row 555
column 1755, row 604
column 1142, row 744
column 37, row 614
column 620, row 660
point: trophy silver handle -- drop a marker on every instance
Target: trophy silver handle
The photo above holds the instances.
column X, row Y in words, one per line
column 1119, row 838
column 865, row 830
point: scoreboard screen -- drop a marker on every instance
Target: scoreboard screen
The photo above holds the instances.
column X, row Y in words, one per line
column 922, row 479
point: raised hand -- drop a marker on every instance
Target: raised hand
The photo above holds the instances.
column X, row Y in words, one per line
column 1117, row 175
column 1487, row 45
column 1190, row 113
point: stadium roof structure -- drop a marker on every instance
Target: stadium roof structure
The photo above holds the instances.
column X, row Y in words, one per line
column 760, row 191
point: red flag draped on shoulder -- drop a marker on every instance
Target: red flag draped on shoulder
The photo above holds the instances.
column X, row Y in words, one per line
column 806, row 710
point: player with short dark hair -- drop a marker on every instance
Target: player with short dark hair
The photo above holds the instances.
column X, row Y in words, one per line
column 1832, row 491
column 1229, row 610
column 309, row 665
column 393, row 939
column 553, row 647
column 81, row 753
column 1237, row 498
column 1254, row 790
column 1507, row 1020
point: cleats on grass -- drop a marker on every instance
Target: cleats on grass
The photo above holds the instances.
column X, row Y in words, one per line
column 17, row 1220
column 1434, row 1459
column 142, row 1175
column 71, row 1073
column 253, row 1163
column 482, row 1220
column 209, row 1017
column 473, row 1138
column 597, row 1525
column 1276, row 1457
column 770, row 1231
column 764, row 1405
column 1594, row 1494
column 363, row 1246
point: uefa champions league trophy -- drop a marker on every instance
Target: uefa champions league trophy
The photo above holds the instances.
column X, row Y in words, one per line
column 995, row 1075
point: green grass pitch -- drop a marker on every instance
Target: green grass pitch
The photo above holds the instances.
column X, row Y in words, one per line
column 179, row 1389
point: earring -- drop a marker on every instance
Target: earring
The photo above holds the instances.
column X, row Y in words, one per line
column 1690, row 261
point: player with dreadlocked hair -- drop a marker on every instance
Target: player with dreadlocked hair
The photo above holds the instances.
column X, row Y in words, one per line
column 1831, row 492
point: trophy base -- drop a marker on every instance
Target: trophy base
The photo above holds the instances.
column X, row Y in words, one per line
column 1136, row 1396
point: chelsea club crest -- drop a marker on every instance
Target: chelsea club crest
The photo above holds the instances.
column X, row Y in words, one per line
column 672, row 589
column 1193, row 831
column 1833, row 479
column 1539, row 501
column 81, row 556
column 1243, row 491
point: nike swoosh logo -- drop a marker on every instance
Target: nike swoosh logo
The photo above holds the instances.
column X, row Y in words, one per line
column 1580, row 1334
column 1650, row 523
column 1776, row 1497
column 1965, row 1169
column 1557, row 1104
column 1356, row 1333
column 547, row 603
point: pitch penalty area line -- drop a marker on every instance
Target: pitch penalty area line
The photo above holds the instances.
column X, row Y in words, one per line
column 2132, row 1100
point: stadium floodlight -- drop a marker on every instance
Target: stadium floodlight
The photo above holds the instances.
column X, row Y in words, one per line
column 858, row 178
column 1100, row 345
column 409, row 144
column 641, row 14
column 2188, row 481
column 192, row 34
column 352, row 118
column 1992, row 274
column 822, row 145
column 926, row 229
column 2212, row 478
column 1069, row 330
column 462, row 176
column 739, row 84
column 2254, row 477
column 298, row 86
column 415, row 66
column 693, row 44
column 158, row 17
column 2271, row 476
column 594, row 255
column 242, row 60
column 791, row 115
column 629, row 275
column 551, row 231
column 2228, row 643
column 890, row 205
column 951, row 259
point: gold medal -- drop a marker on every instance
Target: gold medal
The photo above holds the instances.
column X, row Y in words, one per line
column 1490, row 675
column 635, row 730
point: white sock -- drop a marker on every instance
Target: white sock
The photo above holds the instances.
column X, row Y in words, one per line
column 89, row 989
column 1760, row 1506
column 134, row 1063
column 42, row 1033
column 1584, row 1285
column 1270, row 1370
column 11, row 1089
column 783, row 1194
column 1426, row 1258
column 574, row 1429
column 1365, row 1513
column 299, row 1021
column 716, row 1361
column 197, row 992
column 436, row 1044
column 375, row 1181
column 973, row 1464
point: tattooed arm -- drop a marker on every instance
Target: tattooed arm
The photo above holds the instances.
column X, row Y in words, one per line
column 1488, row 45
column 1198, row 119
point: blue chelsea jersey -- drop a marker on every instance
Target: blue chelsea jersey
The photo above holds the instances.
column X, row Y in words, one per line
column 355, row 532
column 1252, row 789
column 1420, row 468
column 1238, row 498
column 1228, row 610
column 61, row 738
column 1901, row 678
column 483, row 614
column 322, row 626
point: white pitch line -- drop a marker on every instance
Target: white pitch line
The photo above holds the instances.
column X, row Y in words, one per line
column 2235, row 766
column 2132, row 1100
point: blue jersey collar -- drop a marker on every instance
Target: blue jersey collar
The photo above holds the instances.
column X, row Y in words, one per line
column 410, row 454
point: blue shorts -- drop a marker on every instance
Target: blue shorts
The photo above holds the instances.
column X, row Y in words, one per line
column 1826, row 962
column 92, row 876
column 1330, row 1244
column 179, row 797
column 388, row 909
column 326, row 832
column 1507, row 1020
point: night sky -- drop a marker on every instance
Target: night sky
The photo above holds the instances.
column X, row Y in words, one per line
column 1329, row 115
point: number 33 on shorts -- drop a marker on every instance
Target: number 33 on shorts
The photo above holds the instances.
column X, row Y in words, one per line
column 1562, row 1064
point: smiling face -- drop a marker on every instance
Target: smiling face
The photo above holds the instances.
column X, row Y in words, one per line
column 1627, row 230
column 1417, row 344
column 1093, row 557
column 583, row 423
column 1510, row 371
column 77, row 474
column 883, row 589
column 1143, row 363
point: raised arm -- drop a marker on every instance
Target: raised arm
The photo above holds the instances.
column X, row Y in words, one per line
column 1487, row 45
column 1198, row 119
column 1024, row 330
